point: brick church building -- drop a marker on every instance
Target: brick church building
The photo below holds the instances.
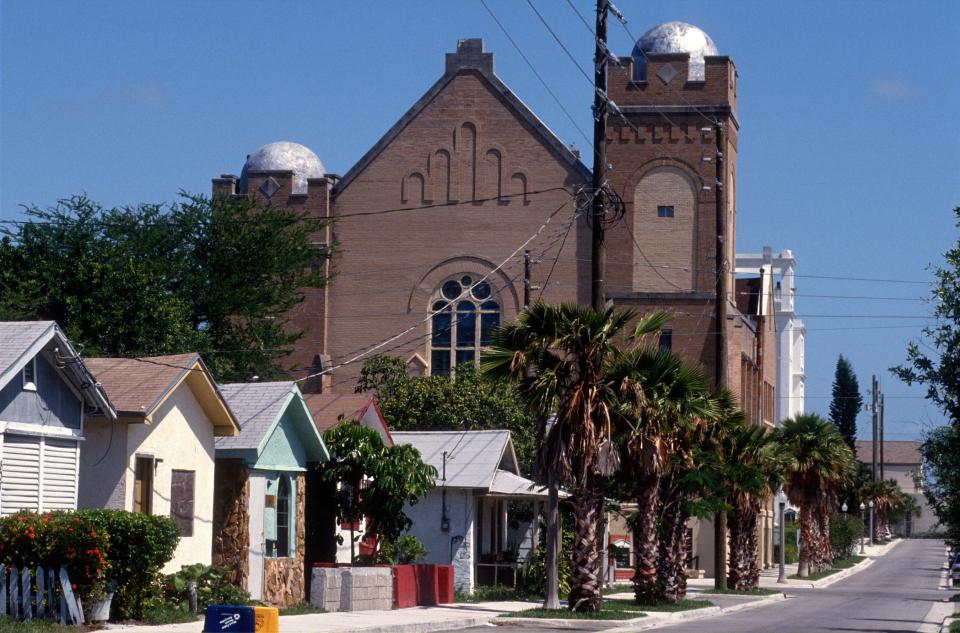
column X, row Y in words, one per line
column 446, row 203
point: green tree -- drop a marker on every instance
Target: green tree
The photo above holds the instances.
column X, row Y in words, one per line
column 821, row 465
column 210, row 275
column 374, row 481
column 846, row 403
column 472, row 401
column 941, row 477
column 557, row 355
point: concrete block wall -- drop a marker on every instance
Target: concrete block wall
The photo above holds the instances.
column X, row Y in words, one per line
column 325, row 588
column 352, row 589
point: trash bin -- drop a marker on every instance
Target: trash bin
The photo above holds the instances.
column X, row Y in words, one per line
column 266, row 619
column 229, row 617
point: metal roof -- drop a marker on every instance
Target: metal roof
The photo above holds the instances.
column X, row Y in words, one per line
column 510, row 485
column 472, row 457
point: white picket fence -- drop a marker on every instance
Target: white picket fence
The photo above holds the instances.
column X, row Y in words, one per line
column 27, row 593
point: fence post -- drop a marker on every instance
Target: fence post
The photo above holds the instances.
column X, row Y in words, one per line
column 41, row 592
column 26, row 593
column 51, row 593
column 14, row 593
column 3, row 589
column 73, row 605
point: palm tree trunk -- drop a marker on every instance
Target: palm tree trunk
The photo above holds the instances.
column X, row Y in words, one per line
column 672, row 577
column 552, row 599
column 808, row 541
column 645, row 566
column 826, row 551
column 744, row 570
column 585, row 594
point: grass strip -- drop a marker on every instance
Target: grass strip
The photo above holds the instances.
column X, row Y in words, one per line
column 843, row 563
column 759, row 591
column 611, row 610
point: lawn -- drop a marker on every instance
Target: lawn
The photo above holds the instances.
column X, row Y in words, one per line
column 611, row 610
column 759, row 591
column 955, row 626
column 303, row 608
column 842, row 563
column 8, row 625
column 496, row 593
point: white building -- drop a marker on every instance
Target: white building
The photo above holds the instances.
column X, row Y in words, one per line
column 790, row 328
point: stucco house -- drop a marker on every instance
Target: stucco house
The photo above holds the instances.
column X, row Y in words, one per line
column 902, row 462
column 260, row 490
column 157, row 457
column 464, row 520
column 45, row 390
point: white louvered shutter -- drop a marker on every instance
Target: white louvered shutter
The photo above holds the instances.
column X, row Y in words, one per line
column 20, row 474
column 59, row 475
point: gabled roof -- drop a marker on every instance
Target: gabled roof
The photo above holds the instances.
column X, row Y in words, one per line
column 893, row 452
column 472, row 457
column 328, row 409
column 470, row 58
column 24, row 340
column 138, row 386
column 259, row 407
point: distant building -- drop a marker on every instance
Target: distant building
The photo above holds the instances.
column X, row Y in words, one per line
column 902, row 462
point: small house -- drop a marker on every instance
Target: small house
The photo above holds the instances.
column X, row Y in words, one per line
column 260, row 490
column 157, row 457
column 464, row 520
column 45, row 390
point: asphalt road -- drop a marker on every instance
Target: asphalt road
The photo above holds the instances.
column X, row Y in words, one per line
column 893, row 595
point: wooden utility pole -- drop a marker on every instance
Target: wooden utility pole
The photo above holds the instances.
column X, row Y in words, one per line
column 597, row 292
column 881, row 435
column 526, row 280
column 720, row 523
column 874, row 419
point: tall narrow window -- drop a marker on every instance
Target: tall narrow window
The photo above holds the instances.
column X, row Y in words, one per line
column 666, row 339
column 283, row 517
column 181, row 500
column 465, row 317
column 143, row 485
column 30, row 375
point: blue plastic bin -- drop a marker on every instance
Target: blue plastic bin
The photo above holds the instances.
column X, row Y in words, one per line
column 229, row 617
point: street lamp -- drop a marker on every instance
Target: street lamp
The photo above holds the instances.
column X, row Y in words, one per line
column 844, row 508
column 871, row 522
column 782, row 578
column 862, row 508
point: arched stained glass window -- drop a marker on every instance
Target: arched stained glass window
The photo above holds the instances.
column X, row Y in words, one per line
column 466, row 314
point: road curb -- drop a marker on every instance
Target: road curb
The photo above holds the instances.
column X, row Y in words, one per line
column 843, row 573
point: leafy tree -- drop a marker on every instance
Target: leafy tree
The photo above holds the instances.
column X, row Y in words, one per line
column 939, row 370
column 373, row 480
column 821, row 466
column 472, row 401
column 847, row 402
column 210, row 275
column 557, row 355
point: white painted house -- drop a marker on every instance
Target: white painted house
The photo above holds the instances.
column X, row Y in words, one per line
column 464, row 520
column 45, row 389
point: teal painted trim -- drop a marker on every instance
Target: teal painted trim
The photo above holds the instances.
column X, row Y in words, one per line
column 283, row 449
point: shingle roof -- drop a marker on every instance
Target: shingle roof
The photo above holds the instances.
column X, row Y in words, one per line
column 893, row 452
column 18, row 337
column 256, row 405
column 326, row 408
column 473, row 457
column 136, row 385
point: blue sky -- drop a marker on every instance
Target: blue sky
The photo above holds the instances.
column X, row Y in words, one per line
column 849, row 155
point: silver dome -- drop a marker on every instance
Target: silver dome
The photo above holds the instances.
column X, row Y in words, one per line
column 676, row 37
column 284, row 156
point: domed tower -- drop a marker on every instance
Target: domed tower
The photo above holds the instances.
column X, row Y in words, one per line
column 290, row 175
column 669, row 160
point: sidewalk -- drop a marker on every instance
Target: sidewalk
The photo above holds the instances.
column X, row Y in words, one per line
column 413, row 620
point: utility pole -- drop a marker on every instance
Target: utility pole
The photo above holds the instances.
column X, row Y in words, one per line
column 881, row 435
column 597, row 292
column 526, row 280
column 720, row 524
column 874, row 421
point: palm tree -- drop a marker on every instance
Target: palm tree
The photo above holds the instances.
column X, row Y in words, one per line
column 888, row 502
column 654, row 395
column 754, row 465
column 558, row 355
column 821, row 465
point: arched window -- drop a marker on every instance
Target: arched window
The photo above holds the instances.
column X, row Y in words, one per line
column 466, row 314
column 283, row 517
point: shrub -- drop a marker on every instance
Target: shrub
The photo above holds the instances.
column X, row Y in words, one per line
column 58, row 539
column 139, row 546
column 845, row 534
column 212, row 587
column 406, row 549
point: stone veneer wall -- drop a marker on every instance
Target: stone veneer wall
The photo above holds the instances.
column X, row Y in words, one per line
column 284, row 577
column 231, row 519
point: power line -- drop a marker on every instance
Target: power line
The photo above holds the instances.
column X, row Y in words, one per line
column 560, row 43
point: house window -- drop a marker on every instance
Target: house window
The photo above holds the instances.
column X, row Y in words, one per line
column 181, row 500
column 283, row 517
column 30, row 375
column 666, row 340
column 466, row 313
column 143, row 485
column 664, row 211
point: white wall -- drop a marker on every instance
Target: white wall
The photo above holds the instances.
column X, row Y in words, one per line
column 426, row 516
column 103, row 462
column 180, row 438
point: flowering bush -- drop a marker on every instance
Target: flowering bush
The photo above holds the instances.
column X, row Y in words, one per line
column 57, row 539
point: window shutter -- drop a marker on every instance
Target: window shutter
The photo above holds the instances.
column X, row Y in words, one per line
column 20, row 474
column 59, row 475
column 181, row 500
